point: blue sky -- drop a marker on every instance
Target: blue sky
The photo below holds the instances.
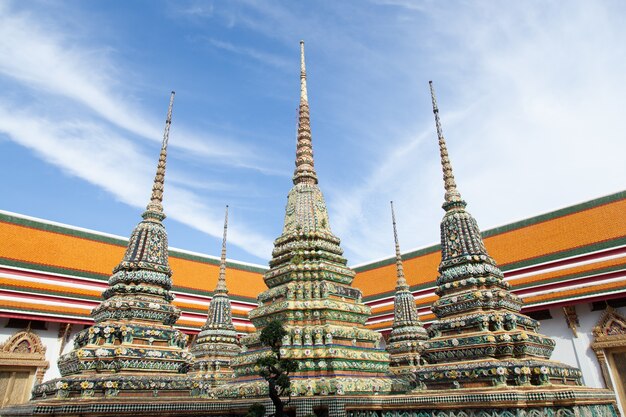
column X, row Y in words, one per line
column 532, row 98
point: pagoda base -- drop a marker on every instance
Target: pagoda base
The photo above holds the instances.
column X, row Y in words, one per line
column 549, row 401
column 111, row 386
column 309, row 386
column 487, row 373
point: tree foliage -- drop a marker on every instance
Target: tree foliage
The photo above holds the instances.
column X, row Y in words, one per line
column 256, row 410
column 274, row 368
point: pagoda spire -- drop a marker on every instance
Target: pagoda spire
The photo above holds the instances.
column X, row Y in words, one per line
column 305, row 166
column 132, row 342
column 303, row 90
column 452, row 196
column 221, row 280
column 478, row 321
column 154, row 209
column 401, row 283
column 407, row 335
column 216, row 344
column 310, row 293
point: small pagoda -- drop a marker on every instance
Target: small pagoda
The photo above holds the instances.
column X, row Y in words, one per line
column 480, row 338
column 406, row 340
column 310, row 292
column 133, row 348
column 216, row 344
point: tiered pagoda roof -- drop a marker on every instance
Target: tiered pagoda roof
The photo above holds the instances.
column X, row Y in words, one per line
column 407, row 335
column 310, row 293
column 133, row 346
column 480, row 338
column 216, row 344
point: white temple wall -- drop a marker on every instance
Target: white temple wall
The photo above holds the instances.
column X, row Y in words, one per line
column 576, row 351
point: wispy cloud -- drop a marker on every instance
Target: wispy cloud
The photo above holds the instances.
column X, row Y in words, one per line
column 45, row 59
column 405, row 4
column 260, row 56
column 531, row 101
column 531, row 97
column 522, row 89
column 80, row 125
column 200, row 9
column 90, row 151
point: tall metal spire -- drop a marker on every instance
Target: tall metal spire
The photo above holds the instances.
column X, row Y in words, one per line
column 401, row 283
column 221, row 280
column 155, row 206
column 305, row 169
column 452, row 196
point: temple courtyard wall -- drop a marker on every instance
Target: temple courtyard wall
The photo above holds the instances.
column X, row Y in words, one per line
column 503, row 403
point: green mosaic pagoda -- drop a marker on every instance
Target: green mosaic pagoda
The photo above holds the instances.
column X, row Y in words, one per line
column 309, row 291
column 216, row 344
column 407, row 335
column 480, row 338
column 484, row 358
column 133, row 348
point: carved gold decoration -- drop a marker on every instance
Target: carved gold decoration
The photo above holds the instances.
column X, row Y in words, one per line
column 64, row 334
column 571, row 317
column 23, row 356
column 610, row 336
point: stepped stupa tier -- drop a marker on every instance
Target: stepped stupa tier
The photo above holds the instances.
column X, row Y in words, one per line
column 480, row 338
column 309, row 291
column 216, row 344
column 407, row 335
column 132, row 349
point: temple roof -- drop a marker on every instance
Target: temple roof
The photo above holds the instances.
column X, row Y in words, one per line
column 548, row 259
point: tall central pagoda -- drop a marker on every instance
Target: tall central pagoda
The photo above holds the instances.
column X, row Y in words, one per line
column 310, row 292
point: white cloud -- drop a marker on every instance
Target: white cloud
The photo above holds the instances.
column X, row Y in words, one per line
column 71, row 83
column 531, row 96
column 532, row 109
column 195, row 9
column 260, row 56
column 91, row 152
column 44, row 58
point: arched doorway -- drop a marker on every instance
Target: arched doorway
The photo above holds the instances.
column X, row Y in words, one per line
column 609, row 346
column 22, row 362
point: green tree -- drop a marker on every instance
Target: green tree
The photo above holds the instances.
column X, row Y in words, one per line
column 256, row 410
column 274, row 368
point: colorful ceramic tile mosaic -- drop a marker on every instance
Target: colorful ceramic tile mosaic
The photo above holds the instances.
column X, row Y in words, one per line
column 132, row 346
column 309, row 291
column 483, row 357
column 216, row 344
column 406, row 340
column 480, row 338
